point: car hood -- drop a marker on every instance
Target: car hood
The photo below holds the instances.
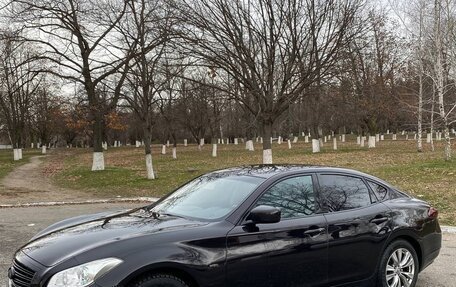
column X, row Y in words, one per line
column 75, row 236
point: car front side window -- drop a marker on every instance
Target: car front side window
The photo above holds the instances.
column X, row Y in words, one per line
column 293, row 196
column 340, row 192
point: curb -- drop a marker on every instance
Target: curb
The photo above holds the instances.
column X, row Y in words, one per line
column 96, row 201
column 448, row 229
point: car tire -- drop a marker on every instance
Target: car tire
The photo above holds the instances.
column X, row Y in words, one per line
column 159, row 280
column 399, row 263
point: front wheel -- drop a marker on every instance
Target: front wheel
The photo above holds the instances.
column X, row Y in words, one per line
column 159, row 280
column 399, row 266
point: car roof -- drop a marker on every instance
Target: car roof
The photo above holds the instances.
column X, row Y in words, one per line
column 270, row 170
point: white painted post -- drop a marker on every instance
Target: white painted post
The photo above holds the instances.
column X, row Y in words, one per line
column 16, row 154
column 315, row 146
column 163, row 151
column 214, row 150
column 334, row 143
column 98, row 161
column 149, row 167
column 267, row 156
column 251, row 146
column 371, row 142
column 387, row 132
column 185, row 142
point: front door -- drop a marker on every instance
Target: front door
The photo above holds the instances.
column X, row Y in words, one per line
column 292, row 252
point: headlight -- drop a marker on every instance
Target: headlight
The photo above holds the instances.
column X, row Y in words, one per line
column 83, row 275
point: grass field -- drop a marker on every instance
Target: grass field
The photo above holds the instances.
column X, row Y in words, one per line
column 7, row 164
column 425, row 175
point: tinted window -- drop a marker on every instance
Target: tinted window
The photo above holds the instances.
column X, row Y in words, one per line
column 209, row 197
column 343, row 192
column 294, row 197
column 379, row 191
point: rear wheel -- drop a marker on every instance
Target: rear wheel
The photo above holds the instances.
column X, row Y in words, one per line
column 159, row 280
column 398, row 266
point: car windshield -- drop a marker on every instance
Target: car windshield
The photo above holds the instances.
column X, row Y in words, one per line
column 209, row 197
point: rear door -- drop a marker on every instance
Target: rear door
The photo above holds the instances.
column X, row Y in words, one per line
column 292, row 252
column 358, row 226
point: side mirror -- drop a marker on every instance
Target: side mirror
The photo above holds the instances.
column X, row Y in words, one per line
column 264, row 214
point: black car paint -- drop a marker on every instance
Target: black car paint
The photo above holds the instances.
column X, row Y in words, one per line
column 321, row 250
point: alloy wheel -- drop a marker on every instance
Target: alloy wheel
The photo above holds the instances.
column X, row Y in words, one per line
column 400, row 268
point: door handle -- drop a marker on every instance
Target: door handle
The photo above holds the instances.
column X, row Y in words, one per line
column 379, row 220
column 314, row 232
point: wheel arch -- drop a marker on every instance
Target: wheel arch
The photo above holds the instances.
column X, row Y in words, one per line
column 169, row 269
column 410, row 238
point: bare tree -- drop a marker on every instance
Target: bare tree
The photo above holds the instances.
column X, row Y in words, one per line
column 439, row 65
column 79, row 38
column 19, row 81
column 151, row 28
column 274, row 49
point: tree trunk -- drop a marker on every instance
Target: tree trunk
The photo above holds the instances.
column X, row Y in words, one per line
column 267, row 147
column 214, row 147
column 148, row 152
column 98, row 156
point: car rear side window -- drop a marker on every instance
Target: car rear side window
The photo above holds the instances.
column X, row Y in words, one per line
column 380, row 191
column 293, row 196
column 339, row 192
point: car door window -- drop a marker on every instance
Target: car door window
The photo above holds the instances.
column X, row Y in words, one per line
column 380, row 191
column 339, row 192
column 294, row 196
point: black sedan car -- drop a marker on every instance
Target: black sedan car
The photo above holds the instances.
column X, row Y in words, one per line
column 250, row 226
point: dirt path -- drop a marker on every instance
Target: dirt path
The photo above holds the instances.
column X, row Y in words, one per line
column 28, row 183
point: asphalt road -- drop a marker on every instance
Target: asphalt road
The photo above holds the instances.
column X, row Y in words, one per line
column 17, row 225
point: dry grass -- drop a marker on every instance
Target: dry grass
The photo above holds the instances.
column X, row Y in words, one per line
column 424, row 175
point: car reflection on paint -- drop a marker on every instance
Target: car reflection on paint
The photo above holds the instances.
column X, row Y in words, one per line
column 268, row 225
